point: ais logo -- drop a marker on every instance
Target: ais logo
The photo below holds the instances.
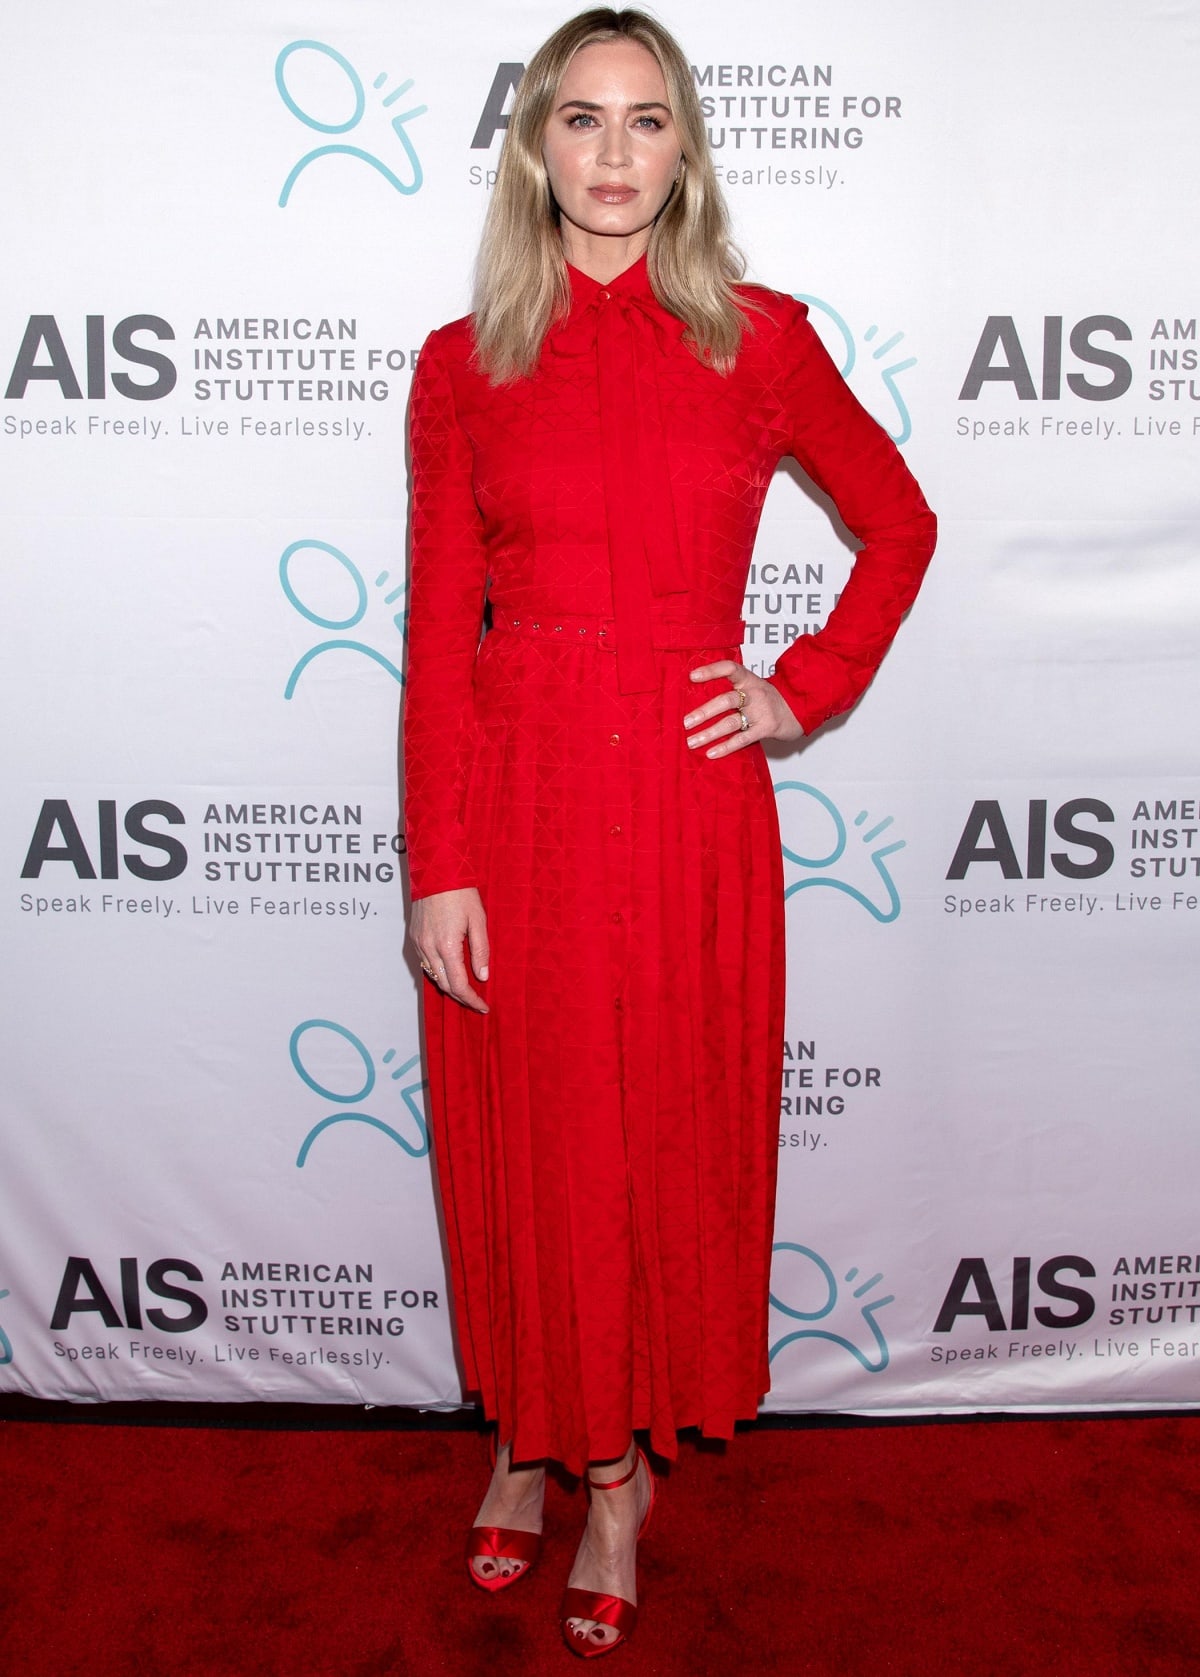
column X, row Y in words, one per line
column 972, row 1292
column 991, row 837
column 82, row 1292
column 1002, row 357
column 309, row 73
column 58, row 837
column 318, row 1063
column 815, row 838
column 493, row 119
column 43, row 357
column 842, row 1316
column 310, row 573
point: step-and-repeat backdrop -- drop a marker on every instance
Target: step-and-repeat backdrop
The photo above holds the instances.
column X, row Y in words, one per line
column 229, row 230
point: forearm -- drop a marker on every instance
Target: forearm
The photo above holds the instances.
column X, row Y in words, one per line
column 824, row 674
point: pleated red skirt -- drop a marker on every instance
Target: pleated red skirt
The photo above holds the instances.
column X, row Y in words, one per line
column 606, row 1137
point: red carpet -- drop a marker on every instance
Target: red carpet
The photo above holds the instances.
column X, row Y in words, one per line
column 1055, row 1548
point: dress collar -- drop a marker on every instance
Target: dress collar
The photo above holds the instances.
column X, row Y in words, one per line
column 632, row 282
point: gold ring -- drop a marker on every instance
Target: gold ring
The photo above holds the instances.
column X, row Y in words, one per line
column 427, row 969
column 741, row 697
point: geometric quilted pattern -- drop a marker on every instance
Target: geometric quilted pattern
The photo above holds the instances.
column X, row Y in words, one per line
column 605, row 1137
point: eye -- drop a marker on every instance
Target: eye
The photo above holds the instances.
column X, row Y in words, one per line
column 648, row 121
column 581, row 119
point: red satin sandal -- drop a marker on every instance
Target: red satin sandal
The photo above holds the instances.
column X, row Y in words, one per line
column 500, row 1543
column 611, row 1610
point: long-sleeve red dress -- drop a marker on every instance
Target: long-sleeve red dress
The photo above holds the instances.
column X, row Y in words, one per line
column 606, row 1136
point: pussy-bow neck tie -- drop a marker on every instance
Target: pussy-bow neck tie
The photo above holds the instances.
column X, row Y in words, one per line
column 629, row 333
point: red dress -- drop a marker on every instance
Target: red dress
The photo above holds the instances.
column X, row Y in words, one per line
column 606, row 1136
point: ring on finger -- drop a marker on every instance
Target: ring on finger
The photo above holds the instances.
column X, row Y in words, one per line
column 428, row 970
column 740, row 701
column 743, row 722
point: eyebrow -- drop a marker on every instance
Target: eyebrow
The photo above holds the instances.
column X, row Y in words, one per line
column 590, row 105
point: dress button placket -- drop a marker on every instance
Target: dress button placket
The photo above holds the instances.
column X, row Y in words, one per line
column 617, row 863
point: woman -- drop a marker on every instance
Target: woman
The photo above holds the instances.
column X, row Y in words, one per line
column 594, row 853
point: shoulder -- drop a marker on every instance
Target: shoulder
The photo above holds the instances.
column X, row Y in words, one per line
column 449, row 346
column 778, row 335
column 778, row 311
column 455, row 335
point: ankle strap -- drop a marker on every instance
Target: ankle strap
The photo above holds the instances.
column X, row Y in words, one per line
column 615, row 1484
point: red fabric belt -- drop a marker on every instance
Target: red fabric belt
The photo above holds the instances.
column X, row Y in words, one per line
column 603, row 631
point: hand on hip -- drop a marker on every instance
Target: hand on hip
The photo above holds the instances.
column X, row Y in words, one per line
column 747, row 711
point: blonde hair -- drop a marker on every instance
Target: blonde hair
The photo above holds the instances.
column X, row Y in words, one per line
column 522, row 287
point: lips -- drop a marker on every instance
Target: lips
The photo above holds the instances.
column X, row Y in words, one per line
column 612, row 194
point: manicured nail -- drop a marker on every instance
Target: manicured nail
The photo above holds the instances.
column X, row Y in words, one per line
column 690, row 721
column 483, row 972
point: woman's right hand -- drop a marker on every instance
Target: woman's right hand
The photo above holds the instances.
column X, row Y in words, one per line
column 440, row 926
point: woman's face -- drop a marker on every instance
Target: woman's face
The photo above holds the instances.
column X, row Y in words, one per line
column 611, row 150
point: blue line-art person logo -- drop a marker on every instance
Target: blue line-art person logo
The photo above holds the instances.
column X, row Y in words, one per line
column 844, row 1317
column 817, row 839
column 410, row 180
column 6, row 1350
column 311, row 573
column 889, row 408
column 307, row 1047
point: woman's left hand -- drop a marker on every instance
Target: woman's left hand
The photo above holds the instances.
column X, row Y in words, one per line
column 749, row 710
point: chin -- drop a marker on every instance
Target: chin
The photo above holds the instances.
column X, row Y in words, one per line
column 611, row 226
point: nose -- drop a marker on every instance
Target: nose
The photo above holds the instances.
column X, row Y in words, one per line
column 614, row 151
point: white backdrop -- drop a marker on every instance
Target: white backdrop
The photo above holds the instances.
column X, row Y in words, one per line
column 230, row 229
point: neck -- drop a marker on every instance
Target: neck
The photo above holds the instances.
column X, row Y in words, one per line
column 599, row 257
